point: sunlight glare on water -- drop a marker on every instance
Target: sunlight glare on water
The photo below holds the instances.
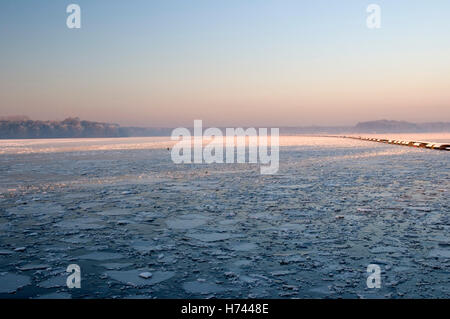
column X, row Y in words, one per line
column 136, row 143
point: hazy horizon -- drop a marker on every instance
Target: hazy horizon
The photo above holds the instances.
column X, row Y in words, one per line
column 265, row 63
column 25, row 118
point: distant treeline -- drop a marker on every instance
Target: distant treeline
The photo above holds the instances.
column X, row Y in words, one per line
column 21, row 127
column 70, row 128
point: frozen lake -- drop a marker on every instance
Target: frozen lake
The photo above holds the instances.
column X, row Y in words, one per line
column 120, row 208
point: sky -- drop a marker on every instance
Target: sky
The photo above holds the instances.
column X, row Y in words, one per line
column 229, row 63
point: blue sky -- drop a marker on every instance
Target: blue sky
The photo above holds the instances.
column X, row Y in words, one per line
column 165, row 63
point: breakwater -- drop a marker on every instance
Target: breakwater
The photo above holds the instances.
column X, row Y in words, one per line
column 418, row 144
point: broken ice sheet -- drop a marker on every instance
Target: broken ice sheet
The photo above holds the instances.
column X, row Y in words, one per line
column 387, row 249
column 33, row 267
column 6, row 227
column 187, row 221
column 294, row 227
column 248, row 279
column 10, row 283
column 147, row 216
column 242, row 263
column 263, row 216
column 76, row 240
column 212, row 237
column 202, row 288
column 56, row 295
column 87, row 223
column 115, row 266
column 293, row 259
column 137, row 297
column 100, row 256
column 440, row 253
column 146, row 275
column 324, row 290
column 132, row 277
column 244, row 246
column 144, row 246
column 115, row 212
column 54, row 282
column 282, row 272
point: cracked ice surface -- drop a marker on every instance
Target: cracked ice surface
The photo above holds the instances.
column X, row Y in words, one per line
column 140, row 226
